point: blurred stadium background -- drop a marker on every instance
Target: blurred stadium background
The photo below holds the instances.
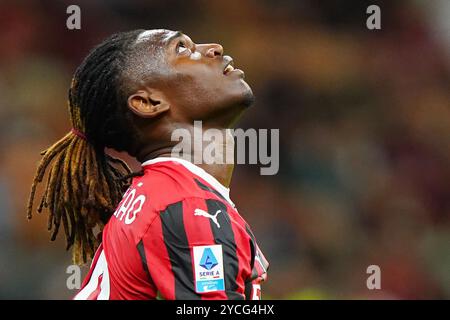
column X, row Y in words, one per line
column 364, row 119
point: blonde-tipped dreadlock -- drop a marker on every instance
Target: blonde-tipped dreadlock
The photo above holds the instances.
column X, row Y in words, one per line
column 84, row 184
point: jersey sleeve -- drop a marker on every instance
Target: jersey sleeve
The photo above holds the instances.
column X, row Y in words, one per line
column 259, row 267
column 189, row 252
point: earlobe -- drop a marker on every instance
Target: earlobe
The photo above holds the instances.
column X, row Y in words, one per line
column 147, row 105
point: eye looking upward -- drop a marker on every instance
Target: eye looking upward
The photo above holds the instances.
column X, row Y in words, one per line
column 182, row 49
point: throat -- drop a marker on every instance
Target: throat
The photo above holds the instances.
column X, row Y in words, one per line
column 210, row 149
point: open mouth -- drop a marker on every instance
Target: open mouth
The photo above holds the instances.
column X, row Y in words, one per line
column 228, row 67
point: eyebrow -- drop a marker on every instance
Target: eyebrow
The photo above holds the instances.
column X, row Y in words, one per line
column 176, row 35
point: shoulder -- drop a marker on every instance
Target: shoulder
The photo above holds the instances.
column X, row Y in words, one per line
column 164, row 186
column 169, row 190
column 167, row 183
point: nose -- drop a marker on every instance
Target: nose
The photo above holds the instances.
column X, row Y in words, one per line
column 210, row 50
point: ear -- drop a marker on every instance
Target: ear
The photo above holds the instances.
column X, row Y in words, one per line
column 148, row 103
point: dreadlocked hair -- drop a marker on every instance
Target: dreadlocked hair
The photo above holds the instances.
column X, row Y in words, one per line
column 84, row 184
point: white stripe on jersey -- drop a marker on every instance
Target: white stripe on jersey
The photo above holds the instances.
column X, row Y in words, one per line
column 257, row 258
column 101, row 269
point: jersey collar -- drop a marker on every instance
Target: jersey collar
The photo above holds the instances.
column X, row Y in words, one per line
column 224, row 191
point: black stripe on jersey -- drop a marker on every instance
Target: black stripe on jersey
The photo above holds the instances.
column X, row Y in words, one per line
column 141, row 250
column 206, row 188
column 225, row 236
column 179, row 252
column 249, row 281
column 248, row 290
column 254, row 274
column 252, row 245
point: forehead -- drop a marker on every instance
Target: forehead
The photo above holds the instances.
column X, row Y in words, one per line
column 160, row 36
column 147, row 57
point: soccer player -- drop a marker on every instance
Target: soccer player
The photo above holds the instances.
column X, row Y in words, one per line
column 173, row 232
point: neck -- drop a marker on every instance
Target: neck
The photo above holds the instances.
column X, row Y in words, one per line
column 210, row 149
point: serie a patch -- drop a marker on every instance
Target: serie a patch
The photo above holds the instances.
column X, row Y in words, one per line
column 208, row 267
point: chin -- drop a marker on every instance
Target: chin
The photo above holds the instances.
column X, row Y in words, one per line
column 245, row 97
column 248, row 98
column 232, row 110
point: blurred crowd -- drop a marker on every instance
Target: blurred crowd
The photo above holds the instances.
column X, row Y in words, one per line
column 364, row 119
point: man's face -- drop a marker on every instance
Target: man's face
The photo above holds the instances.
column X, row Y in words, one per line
column 197, row 79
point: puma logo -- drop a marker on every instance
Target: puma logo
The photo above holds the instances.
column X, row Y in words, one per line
column 200, row 212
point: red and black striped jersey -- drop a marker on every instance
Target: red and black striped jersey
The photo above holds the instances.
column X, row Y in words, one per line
column 176, row 235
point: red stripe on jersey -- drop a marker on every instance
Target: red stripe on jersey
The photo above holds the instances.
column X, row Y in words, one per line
column 198, row 232
column 244, row 252
column 158, row 261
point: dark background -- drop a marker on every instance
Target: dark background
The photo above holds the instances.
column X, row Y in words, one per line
column 364, row 123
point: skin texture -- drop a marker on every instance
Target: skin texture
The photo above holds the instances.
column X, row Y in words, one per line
column 170, row 82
